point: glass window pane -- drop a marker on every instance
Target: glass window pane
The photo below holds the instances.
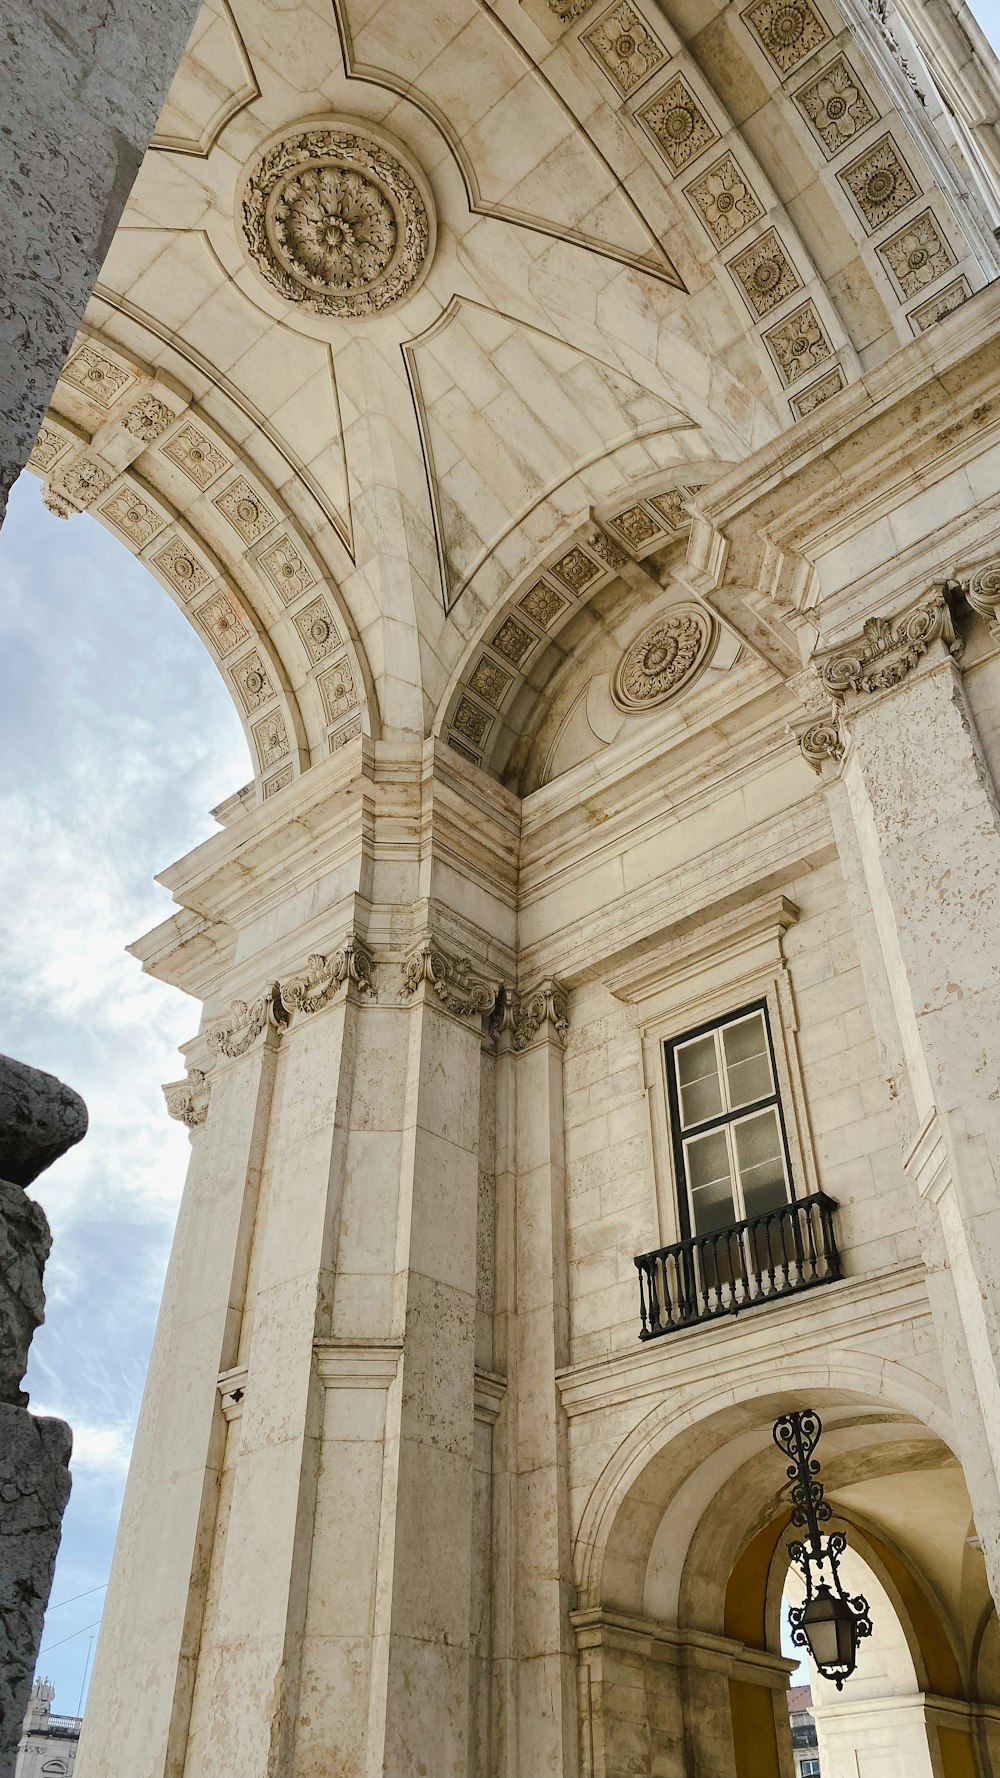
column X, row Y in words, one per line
column 761, row 1162
column 710, row 1182
column 698, row 1080
column 748, row 1065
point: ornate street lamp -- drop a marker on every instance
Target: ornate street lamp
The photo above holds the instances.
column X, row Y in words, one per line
column 830, row 1623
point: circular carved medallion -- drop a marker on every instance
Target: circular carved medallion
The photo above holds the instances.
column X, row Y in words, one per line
column 336, row 222
column 664, row 658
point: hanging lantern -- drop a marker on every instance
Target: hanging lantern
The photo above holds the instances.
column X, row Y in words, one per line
column 831, row 1622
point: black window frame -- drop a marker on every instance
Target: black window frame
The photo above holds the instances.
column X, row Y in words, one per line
column 678, row 1132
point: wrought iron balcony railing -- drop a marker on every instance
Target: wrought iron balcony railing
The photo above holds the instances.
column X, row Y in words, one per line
column 756, row 1261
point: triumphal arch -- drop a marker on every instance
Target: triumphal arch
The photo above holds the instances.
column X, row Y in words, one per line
column 574, row 431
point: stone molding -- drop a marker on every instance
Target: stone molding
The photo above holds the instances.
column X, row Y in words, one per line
column 599, row 1626
column 928, row 1163
column 236, row 1033
column 357, row 1364
column 456, row 982
column 542, row 1012
column 326, row 974
column 887, row 649
column 488, row 1397
column 187, row 1099
column 232, row 1387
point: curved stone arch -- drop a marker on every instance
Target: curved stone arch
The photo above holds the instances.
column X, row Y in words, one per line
column 849, row 1373
column 489, row 697
column 142, row 457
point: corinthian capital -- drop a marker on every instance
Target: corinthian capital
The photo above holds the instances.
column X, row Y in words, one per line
column 188, row 1099
column 544, row 1009
column 887, row 649
column 243, row 1024
column 456, row 983
column 324, row 977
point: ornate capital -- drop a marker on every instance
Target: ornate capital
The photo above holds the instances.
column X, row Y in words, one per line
column 324, row 977
column 823, row 740
column 887, row 649
column 544, row 1009
column 243, row 1024
column 983, row 593
column 188, row 1099
column 454, row 980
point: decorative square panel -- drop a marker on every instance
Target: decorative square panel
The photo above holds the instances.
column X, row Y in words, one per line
column 196, row 455
column 48, row 447
column 799, row 343
column 513, row 641
column 278, row 782
column 318, row 631
column 337, row 689
column 765, row 274
column 677, row 122
column 787, row 30
column 251, row 681
column 133, row 517
column 341, row 736
column 543, row 604
column 836, row 106
column 223, row 621
column 917, row 255
column 245, row 510
column 575, row 569
column 880, row 183
column 97, row 376
column 286, row 569
column 606, row 549
column 472, row 723
column 490, row 681
column 637, row 525
column 84, row 480
column 939, row 306
column 148, row 419
column 818, row 392
column 270, row 738
column 570, row 9
column 181, row 568
column 625, row 46
column 671, row 508
column 724, row 200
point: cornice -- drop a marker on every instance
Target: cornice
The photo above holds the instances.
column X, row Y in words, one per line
column 718, row 935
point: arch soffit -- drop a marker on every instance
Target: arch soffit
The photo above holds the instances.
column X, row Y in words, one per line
column 853, row 1378
column 133, row 448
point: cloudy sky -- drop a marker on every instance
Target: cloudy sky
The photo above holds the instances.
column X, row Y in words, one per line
column 118, row 737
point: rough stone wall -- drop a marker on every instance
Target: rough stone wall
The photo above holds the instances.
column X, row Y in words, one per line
column 80, row 90
column 39, row 1119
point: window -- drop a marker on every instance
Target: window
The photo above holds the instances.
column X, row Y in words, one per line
column 730, row 1145
column 810, row 1768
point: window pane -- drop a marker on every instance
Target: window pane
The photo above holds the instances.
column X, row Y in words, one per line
column 711, row 1185
column 748, row 1065
column 761, row 1163
column 698, row 1079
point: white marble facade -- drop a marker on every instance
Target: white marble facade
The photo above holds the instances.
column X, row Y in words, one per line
column 575, row 432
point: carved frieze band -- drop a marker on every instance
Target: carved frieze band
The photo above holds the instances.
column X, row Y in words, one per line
column 541, row 1013
column 187, row 1100
column 456, row 982
column 324, row 977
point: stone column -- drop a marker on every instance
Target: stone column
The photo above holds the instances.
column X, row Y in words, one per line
column 80, row 90
column 156, row 1594
column 547, row 1733
column 917, row 816
column 39, row 1120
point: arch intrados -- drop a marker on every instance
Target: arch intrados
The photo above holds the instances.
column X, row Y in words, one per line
column 626, row 1492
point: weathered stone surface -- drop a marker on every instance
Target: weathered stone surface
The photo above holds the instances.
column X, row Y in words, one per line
column 40, row 1118
column 81, row 89
column 25, row 1241
column 34, row 1489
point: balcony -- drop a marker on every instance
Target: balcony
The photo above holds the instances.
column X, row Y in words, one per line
column 760, row 1260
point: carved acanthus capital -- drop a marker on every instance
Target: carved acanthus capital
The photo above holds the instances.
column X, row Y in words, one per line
column 983, row 593
column 887, row 649
column 823, row 740
column 324, row 977
column 243, row 1024
column 545, row 1009
column 188, row 1099
column 456, row 983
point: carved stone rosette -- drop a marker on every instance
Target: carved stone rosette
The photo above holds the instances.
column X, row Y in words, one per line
column 887, row 649
column 240, row 1029
column 454, row 980
column 324, row 977
column 664, row 658
column 187, row 1100
column 544, row 1009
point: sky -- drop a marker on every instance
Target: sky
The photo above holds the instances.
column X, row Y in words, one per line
column 118, row 737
